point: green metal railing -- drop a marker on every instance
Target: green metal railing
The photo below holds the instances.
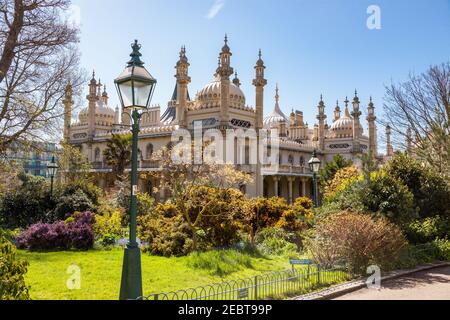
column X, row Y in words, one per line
column 274, row 285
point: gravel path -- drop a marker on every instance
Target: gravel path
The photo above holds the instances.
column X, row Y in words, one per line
column 433, row 284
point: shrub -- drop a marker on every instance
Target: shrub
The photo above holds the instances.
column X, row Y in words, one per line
column 108, row 240
column 389, row 197
column 413, row 255
column 262, row 213
column 299, row 217
column 92, row 192
column 430, row 190
column 12, row 271
column 70, row 203
column 145, row 203
column 108, row 224
column 276, row 241
column 341, row 180
column 61, row 235
column 382, row 195
column 328, row 172
column 220, row 262
column 166, row 233
column 443, row 249
column 27, row 204
column 428, row 229
column 212, row 215
column 355, row 239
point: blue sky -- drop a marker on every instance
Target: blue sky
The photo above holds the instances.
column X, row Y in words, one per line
column 309, row 47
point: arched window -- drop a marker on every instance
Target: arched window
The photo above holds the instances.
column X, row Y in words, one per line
column 148, row 151
column 302, row 161
column 291, row 159
column 150, row 188
column 97, row 155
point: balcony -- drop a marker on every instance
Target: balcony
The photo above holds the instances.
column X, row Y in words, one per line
column 287, row 169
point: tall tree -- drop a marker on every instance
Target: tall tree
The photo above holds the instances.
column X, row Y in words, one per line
column 38, row 57
column 422, row 104
column 118, row 153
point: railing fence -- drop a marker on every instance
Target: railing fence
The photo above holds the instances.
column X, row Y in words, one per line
column 267, row 286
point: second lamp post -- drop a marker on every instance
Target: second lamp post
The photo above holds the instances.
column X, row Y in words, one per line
column 135, row 87
column 314, row 166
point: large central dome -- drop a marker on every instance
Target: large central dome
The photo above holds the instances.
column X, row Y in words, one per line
column 209, row 96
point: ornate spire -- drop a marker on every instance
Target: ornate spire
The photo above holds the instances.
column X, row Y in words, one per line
column 259, row 80
column 224, row 69
column 183, row 57
column 104, row 94
column 277, row 96
column 135, row 55
column 236, row 80
column 356, row 99
column 260, row 62
column 337, row 111
column 93, row 81
column 226, row 48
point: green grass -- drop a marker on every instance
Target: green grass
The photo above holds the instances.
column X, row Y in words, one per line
column 101, row 272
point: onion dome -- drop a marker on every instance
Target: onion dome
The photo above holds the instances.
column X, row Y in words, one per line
column 342, row 127
column 277, row 115
column 209, row 96
column 104, row 115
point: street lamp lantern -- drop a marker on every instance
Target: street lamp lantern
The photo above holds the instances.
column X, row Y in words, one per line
column 314, row 166
column 52, row 168
column 135, row 87
column 314, row 163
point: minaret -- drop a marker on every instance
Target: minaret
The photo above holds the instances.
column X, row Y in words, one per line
column 372, row 128
column 68, row 103
column 105, row 97
column 389, row 149
column 92, row 97
column 356, row 113
column 259, row 82
column 183, row 79
column 337, row 111
column 224, row 71
column 321, row 117
column 408, row 142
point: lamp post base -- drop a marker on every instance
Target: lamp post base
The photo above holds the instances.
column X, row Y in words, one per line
column 131, row 284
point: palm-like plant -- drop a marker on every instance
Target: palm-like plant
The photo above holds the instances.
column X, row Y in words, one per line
column 118, row 153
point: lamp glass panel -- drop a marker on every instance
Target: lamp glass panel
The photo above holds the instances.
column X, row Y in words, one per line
column 141, row 93
column 126, row 92
column 316, row 166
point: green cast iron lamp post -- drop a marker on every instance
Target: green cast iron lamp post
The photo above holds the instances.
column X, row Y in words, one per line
column 314, row 166
column 52, row 167
column 135, row 86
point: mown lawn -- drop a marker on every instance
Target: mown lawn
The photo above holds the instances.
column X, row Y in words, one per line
column 101, row 271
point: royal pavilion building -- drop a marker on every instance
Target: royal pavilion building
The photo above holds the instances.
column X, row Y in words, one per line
column 221, row 104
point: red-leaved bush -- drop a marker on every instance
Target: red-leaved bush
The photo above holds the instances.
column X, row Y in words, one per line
column 355, row 239
column 76, row 232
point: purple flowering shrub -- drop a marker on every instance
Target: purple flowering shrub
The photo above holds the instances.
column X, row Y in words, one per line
column 76, row 232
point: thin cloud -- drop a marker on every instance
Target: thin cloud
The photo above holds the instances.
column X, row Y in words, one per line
column 215, row 9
